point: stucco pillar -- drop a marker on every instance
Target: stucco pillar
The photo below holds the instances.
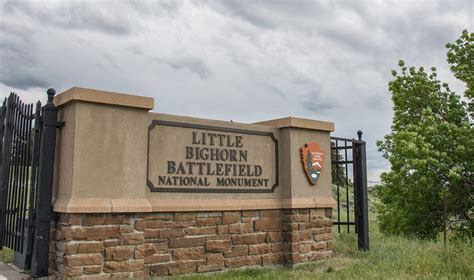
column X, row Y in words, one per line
column 100, row 164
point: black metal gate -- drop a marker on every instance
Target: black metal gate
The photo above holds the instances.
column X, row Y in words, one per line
column 349, row 176
column 27, row 134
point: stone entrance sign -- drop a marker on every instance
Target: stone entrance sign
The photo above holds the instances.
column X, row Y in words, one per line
column 186, row 157
column 139, row 193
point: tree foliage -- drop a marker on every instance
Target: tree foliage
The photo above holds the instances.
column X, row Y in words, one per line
column 431, row 151
column 338, row 171
column 461, row 60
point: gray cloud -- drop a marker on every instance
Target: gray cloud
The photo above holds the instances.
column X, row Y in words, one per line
column 191, row 64
column 247, row 62
column 78, row 16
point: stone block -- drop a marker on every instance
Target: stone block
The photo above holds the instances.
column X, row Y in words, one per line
column 208, row 221
column 93, row 269
column 111, row 242
column 319, row 246
column 303, row 235
column 236, row 251
column 201, row 230
column 149, row 249
column 132, row 238
column 288, row 227
column 126, row 229
column 243, row 261
column 170, row 233
column 119, row 219
column 303, row 226
column 67, row 247
column 323, row 237
column 274, row 237
column 150, row 233
column 241, row 228
column 92, row 233
column 317, row 214
column 209, row 214
column 185, row 216
column 304, row 248
column 271, row 214
column 252, row 238
column 216, row 246
column 215, row 259
column 231, row 217
column 83, row 259
column 159, row 269
column 294, row 218
column 250, row 213
column 69, row 271
column 186, row 254
column 273, row 259
column 222, row 229
column 140, row 225
column 159, row 258
column 279, row 247
column 182, row 267
column 184, row 242
column 123, row 266
column 94, row 220
column 90, row 247
column 118, row 253
column 156, row 216
column 268, row 224
column 260, row 249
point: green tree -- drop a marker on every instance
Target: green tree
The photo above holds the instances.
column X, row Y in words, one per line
column 431, row 150
column 461, row 60
column 338, row 172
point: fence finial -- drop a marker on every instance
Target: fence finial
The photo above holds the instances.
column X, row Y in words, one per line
column 51, row 92
column 359, row 133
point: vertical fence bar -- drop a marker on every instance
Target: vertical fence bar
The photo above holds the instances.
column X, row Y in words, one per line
column 6, row 161
column 34, row 163
column 347, row 189
column 28, row 251
column 26, row 160
column 12, row 186
column 360, row 180
column 19, row 178
column 40, row 257
column 3, row 163
column 337, row 187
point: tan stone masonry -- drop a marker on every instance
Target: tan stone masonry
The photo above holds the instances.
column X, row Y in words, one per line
column 144, row 244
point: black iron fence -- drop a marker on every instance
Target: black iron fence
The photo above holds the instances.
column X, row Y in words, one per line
column 27, row 139
column 349, row 176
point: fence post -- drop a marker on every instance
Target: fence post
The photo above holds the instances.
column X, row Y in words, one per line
column 360, row 181
column 5, row 161
column 40, row 256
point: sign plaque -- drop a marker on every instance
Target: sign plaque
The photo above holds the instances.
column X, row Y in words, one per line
column 185, row 157
column 312, row 159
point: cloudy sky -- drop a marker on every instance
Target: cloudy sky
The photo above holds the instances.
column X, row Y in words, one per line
column 245, row 61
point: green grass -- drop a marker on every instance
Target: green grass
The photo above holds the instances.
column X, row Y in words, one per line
column 390, row 257
column 6, row 255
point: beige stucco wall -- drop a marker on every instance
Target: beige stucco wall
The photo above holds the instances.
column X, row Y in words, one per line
column 101, row 164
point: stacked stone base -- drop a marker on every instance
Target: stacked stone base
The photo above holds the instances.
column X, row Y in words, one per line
column 156, row 244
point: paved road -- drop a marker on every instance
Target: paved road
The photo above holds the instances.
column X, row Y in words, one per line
column 7, row 272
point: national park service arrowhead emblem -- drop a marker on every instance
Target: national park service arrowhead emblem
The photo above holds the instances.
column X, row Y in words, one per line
column 312, row 158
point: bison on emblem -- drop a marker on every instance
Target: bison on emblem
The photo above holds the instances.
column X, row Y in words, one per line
column 312, row 158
